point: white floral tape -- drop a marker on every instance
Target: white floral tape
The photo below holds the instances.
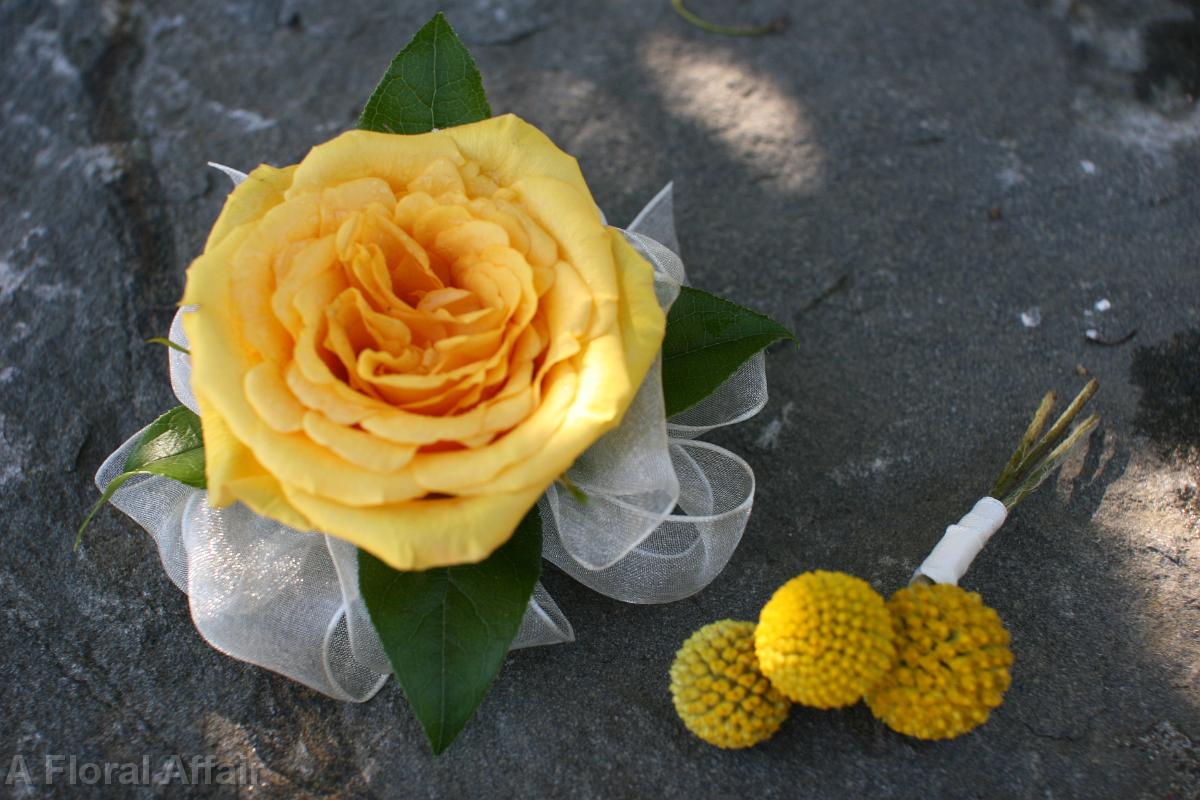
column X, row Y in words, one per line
column 952, row 556
column 664, row 513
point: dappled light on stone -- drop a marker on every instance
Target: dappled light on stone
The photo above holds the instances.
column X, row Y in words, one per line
column 750, row 113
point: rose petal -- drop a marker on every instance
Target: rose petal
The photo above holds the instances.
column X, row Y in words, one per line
column 357, row 447
column 262, row 190
column 423, row 534
column 271, row 399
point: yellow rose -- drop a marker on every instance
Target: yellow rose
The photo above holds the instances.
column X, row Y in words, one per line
column 402, row 341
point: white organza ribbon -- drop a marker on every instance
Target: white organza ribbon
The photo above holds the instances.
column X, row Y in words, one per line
column 663, row 514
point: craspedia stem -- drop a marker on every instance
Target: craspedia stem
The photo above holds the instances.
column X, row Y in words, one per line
column 1030, row 458
column 1060, row 425
column 1051, row 462
column 1036, row 425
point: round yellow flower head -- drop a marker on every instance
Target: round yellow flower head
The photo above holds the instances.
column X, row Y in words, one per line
column 718, row 690
column 824, row 639
column 952, row 667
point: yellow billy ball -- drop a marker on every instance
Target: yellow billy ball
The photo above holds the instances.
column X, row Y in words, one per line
column 824, row 639
column 718, row 690
column 952, row 665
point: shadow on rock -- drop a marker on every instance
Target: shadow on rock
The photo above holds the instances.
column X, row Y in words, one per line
column 1168, row 374
column 1097, row 474
column 1172, row 50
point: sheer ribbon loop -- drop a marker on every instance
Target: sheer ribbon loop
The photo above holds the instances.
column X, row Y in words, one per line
column 652, row 516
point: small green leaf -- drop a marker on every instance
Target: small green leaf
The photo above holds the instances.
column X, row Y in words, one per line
column 171, row 446
column 173, row 435
column 707, row 339
column 447, row 630
column 431, row 83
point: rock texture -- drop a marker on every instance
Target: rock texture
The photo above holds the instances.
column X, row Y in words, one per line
column 935, row 195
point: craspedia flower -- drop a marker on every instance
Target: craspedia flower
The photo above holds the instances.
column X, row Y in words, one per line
column 952, row 665
column 824, row 639
column 718, row 690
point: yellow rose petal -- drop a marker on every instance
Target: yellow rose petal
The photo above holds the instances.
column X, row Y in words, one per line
column 472, row 470
column 310, row 262
column 261, row 191
column 357, row 447
column 640, row 318
column 271, row 399
column 572, row 220
column 509, row 149
column 339, row 203
column 252, row 277
column 366, row 154
column 423, row 534
column 333, row 399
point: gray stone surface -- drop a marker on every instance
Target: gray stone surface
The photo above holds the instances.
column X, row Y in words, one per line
column 897, row 181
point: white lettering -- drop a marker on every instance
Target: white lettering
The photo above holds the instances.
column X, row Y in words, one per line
column 54, row 767
column 18, row 770
column 171, row 771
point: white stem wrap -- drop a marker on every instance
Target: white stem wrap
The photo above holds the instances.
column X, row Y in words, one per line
column 663, row 516
column 952, row 556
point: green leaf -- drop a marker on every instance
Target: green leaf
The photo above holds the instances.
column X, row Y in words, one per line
column 171, row 446
column 707, row 339
column 175, row 435
column 447, row 630
column 431, row 83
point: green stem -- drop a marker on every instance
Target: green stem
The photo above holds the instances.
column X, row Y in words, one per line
column 1029, row 457
column 1034, row 479
column 169, row 343
column 1060, row 426
column 109, row 491
column 1009, row 473
column 726, row 30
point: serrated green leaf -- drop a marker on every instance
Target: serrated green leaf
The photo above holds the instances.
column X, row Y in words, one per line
column 432, row 83
column 171, row 446
column 446, row 631
column 707, row 339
